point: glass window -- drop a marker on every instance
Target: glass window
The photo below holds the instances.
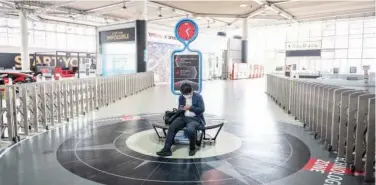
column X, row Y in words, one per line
column 328, row 42
column 368, row 62
column 31, row 37
column 50, row 39
column 342, row 42
column 60, row 28
column 327, row 65
column 340, row 53
column 14, row 23
column 61, row 40
column 292, row 34
column 355, row 43
column 50, row 27
column 316, row 30
column 80, row 30
column 71, row 29
column 355, row 53
column 370, row 43
column 39, row 26
column 369, row 53
column 368, row 30
column 303, row 32
column 327, row 54
column 14, row 37
column 3, row 38
column 342, row 64
column 89, row 31
column 342, row 28
column 354, row 63
column 3, row 21
column 40, row 38
column 329, row 28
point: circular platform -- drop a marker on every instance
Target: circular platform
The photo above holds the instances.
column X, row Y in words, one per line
column 147, row 143
column 122, row 151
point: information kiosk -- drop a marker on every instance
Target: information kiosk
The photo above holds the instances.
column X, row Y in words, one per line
column 186, row 63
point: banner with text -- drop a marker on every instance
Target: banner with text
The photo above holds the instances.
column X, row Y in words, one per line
column 186, row 70
column 10, row 60
column 120, row 35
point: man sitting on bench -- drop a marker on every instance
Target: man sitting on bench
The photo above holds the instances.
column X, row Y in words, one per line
column 194, row 107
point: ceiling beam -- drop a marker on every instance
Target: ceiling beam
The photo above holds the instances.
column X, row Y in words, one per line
column 106, row 6
column 276, row 9
column 52, row 7
column 216, row 15
column 7, row 4
column 255, row 12
column 39, row 4
column 285, row 2
column 155, row 3
column 7, row 10
column 165, row 18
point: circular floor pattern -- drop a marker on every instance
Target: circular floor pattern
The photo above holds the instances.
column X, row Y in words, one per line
column 146, row 142
column 102, row 155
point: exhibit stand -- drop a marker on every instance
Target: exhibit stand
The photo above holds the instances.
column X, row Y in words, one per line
column 122, row 48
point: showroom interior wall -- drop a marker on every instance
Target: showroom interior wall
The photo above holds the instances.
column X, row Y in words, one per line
column 344, row 43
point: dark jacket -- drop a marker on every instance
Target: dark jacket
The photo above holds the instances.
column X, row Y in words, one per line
column 197, row 107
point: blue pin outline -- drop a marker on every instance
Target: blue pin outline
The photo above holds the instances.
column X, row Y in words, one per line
column 186, row 47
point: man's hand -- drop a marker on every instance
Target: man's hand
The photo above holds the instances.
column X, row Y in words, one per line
column 187, row 107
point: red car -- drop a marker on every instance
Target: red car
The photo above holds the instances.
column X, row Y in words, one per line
column 17, row 77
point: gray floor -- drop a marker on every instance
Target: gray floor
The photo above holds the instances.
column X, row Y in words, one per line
column 34, row 162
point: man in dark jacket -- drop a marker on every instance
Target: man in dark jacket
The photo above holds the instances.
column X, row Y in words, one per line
column 193, row 105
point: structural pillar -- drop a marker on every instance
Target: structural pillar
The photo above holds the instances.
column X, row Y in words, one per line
column 245, row 40
column 141, row 40
column 25, row 60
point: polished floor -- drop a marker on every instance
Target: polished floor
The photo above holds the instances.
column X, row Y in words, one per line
column 259, row 144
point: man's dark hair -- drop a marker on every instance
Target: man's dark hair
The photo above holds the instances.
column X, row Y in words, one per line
column 185, row 88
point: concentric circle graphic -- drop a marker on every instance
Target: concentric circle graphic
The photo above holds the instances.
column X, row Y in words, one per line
column 108, row 154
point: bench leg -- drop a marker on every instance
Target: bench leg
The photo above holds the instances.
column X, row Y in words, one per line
column 159, row 136
column 199, row 142
column 219, row 130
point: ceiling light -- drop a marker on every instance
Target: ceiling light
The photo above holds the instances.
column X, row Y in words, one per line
column 124, row 7
column 243, row 5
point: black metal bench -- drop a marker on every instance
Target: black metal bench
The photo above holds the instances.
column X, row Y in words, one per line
column 210, row 124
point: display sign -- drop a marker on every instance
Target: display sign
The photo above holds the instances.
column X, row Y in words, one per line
column 186, row 68
column 303, row 53
column 313, row 45
column 121, row 35
column 186, row 64
column 10, row 60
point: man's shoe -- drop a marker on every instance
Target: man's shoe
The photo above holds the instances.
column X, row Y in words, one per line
column 164, row 153
column 192, row 152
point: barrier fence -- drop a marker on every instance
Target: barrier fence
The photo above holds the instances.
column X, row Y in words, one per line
column 31, row 108
column 343, row 118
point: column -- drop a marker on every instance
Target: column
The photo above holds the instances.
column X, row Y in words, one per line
column 141, row 40
column 25, row 60
column 245, row 40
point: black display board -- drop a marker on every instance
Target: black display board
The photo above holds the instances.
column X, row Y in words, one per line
column 304, row 53
column 141, row 45
column 244, row 51
column 186, row 70
column 120, row 35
